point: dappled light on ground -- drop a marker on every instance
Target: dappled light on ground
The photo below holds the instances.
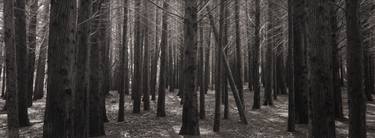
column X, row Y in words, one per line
column 267, row 122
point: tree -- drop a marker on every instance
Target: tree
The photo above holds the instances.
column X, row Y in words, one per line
column 136, row 91
column 237, row 7
column 190, row 118
column 59, row 107
column 146, row 58
column 299, row 62
column 41, row 62
column 21, row 53
column 162, row 77
column 32, row 41
column 81, row 66
column 255, row 73
column 356, row 94
column 11, row 69
column 268, row 77
column 96, row 93
column 124, row 78
column 321, row 118
column 291, row 97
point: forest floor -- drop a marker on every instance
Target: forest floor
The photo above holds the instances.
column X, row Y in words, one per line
column 268, row 122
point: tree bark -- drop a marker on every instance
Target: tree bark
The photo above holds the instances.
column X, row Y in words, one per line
column 321, row 114
column 190, row 118
column 41, row 62
column 11, row 69
column 22, row 62
column 356, row 93
column 124, row 78
column 59, row 107
column 255, row 51
column 82, row 71
column 32, row 41
column 162, row 76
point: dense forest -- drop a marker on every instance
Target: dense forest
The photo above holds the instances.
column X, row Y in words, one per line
column 175, row 68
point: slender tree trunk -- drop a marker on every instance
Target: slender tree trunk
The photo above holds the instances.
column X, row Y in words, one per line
column 41, row 62
column 201, row 76
column 335, row 64
column 190, row 119
column 137, row 61
column 146, row 59
column 356, row 97
column 255, row 51
column 11, row 69
column 268, row 61
column 124, row 78
column 291, row 96
column 162, row 74
column 22, row 72
column 59, row 108
column 31, row 48
column 238, row 64
column 155, row 57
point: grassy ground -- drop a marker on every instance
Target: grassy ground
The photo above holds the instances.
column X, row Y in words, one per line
column 268, row 122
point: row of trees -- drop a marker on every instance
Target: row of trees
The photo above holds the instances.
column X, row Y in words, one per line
column 307, row 49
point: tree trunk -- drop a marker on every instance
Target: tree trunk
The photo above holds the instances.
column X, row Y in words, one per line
column 321, row 114
column 201, row 76
column 96, row 121
column 136, row 92
column 59, row 107
column 124, row 78
column 268, row 61
column 31, row 48
column 11, row 69
column 41, row 63
column 356, row 93
column 335, row 64
column 255, row 51
column 22, row 72
column 162, row 74
column 190, row 119
column 146, row 59
column 291, row 96
column 82, row 71
column 238, row 63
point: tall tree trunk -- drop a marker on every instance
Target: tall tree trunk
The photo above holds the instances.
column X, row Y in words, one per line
column 136, row 92
column 162, row 74
column 96, row 121
column 190, row 118
column 11, row 69
column 299, row 62
column 59, row 108
column 32, row 41
column 104, row 48
column 255, row 51
column 146, row 58
column 291, row 96
column 238, row 63
column 155, row 57
column 21, row 53
column 201, row 76
column 124, row 78
column 41, row 62
column 321, row 114
column 356, row 97
column 335, row 64
column 82, row 71
column 268, row 60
